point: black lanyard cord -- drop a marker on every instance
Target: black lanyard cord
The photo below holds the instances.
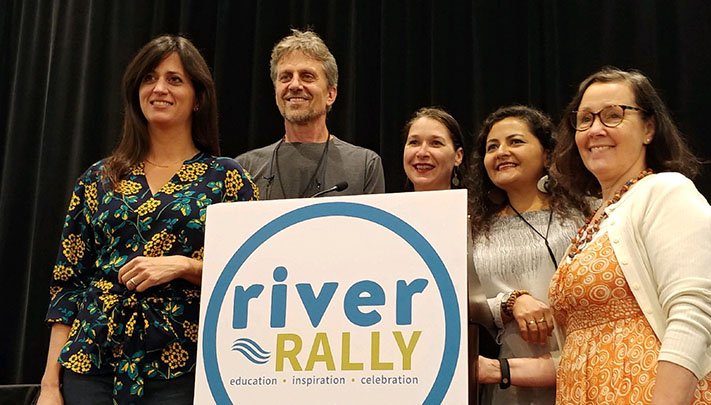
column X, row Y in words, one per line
column 275, row 162
column 545, row 238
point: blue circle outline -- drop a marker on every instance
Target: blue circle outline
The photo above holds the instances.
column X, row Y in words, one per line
column 439, row 271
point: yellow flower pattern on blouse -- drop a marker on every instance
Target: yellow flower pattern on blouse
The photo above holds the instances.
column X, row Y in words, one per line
column 53, row 291
column 62, row 272
column 90, row 196
column 191, row 330
column 192, row 294
column 74, row 202
column 103, row 285
column 148, row 207
column 159, row 244
column 73, row 248
column 111, row 327
column 198, row 254
column 75, row 328
column 192, row 171
column 128, row 187
column 174, row 356
column 171, row 188
column 78, row 362
column 109, row 301
column 151, row 334
column 234, row 183
column 131, row 324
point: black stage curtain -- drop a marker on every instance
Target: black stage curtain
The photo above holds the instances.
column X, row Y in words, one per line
column 61, row 63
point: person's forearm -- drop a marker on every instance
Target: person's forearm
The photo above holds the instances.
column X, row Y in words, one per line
column 532, row 372
column 53, row 370
column 524, row 372
column 674, row 384
column 192, row 271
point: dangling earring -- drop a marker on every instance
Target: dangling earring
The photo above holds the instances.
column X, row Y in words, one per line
column 456, row 180
column 196, row 108
column 543, row 184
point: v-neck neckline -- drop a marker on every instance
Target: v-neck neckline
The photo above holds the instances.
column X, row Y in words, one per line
column 153, row 194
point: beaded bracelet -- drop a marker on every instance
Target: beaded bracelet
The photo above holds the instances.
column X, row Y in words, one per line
column 507, row 306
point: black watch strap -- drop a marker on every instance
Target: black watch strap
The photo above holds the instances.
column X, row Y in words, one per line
column 505, row 374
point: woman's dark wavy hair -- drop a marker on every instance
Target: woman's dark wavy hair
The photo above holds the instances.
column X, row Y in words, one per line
column 134, row 135
column 667, row 151
column 455, row 133
column 485, row 199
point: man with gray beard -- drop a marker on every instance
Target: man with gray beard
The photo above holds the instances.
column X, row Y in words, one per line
column 308, row 159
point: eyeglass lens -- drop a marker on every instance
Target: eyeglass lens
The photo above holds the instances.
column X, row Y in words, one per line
column 610, row 116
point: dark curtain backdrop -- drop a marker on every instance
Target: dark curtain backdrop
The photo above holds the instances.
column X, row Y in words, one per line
column 61, row 63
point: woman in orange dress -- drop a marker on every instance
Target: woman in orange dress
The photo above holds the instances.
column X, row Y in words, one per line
column 633, row 295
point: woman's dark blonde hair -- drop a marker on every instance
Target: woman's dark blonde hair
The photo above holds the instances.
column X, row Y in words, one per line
column 485, row 199
column 134, row 136
column 667, row 151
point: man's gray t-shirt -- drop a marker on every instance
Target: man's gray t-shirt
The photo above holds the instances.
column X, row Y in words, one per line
column 294, row 169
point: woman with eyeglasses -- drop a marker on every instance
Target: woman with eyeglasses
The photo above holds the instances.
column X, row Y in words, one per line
column 633, row 293
column 521, row 223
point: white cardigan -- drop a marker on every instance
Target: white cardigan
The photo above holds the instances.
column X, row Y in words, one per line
column 660, row 231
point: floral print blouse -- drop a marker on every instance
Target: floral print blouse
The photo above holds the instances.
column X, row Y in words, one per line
column 129, row 334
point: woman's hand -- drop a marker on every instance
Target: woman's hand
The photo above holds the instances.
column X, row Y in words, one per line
column 142, row 272
column 534, row 318
column 50, row 395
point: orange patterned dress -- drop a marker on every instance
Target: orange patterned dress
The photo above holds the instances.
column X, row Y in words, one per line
column 610, row 352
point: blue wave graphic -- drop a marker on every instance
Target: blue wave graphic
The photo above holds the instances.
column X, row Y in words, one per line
column 251, row 350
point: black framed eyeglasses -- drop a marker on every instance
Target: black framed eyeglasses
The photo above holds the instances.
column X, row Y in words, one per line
column 610, row 116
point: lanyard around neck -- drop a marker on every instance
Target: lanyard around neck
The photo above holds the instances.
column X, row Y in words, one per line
column 319, row 165
column 545, row 238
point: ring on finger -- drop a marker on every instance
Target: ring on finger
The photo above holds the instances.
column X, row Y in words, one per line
column 131, row 282
column 541, row 320
column 531, row 322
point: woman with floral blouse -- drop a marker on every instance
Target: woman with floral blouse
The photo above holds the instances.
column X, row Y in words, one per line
column 125, row 289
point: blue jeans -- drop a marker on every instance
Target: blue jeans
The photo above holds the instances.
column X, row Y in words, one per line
column 80, row 389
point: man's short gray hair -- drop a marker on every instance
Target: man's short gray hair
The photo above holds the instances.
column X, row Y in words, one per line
column 310, row 44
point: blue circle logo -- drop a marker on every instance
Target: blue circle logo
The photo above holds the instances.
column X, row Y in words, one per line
column 338, row 209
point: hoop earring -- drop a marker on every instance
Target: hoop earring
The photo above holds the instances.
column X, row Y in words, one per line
column 544, row 185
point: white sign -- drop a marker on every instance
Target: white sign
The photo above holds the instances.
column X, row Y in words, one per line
column 347, row 300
